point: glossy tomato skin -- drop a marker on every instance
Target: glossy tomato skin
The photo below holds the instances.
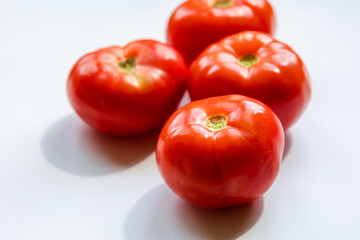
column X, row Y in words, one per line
column 279, row 78
column 223, row 168
column 123, row 102
column 196, row 23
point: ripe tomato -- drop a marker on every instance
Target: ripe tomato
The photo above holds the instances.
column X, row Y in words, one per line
column 253, row 64
column 129, row 90
column 197, row 23
column 221, row 151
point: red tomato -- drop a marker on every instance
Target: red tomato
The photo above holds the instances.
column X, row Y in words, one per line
column 221, row 151
column 253, row 64
column 197, row 23
column 129, row 90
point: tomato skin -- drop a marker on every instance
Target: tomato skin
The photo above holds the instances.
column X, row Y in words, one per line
column 279, row 78
column 122, row 103
column 195, row 24
column 228, row 167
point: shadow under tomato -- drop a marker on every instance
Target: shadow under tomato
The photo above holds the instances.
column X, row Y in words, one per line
column 160, row 214
column 73, row 147
column 288, row 144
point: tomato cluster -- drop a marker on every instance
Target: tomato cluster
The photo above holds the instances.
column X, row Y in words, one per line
column 224, row 148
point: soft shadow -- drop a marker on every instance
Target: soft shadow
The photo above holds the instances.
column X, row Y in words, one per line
column 74, row 147
column 160, row 214
column 288, row 144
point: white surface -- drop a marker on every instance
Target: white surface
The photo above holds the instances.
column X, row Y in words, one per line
column 61, row 180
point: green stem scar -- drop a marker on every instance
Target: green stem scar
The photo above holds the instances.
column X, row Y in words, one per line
column 248, row 60
column 127, row 65
column 223, row 3
column 216, row 123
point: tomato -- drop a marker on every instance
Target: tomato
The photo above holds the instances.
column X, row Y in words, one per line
column 127, row 91
column 253, row 64
column 197, row 23
column 221, row 152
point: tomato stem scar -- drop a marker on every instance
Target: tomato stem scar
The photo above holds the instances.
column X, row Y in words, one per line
column 127, row 65
column 248, row 60
column 216, row 123
column 223, row 3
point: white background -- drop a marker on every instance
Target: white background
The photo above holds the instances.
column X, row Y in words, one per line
column 59, row 179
